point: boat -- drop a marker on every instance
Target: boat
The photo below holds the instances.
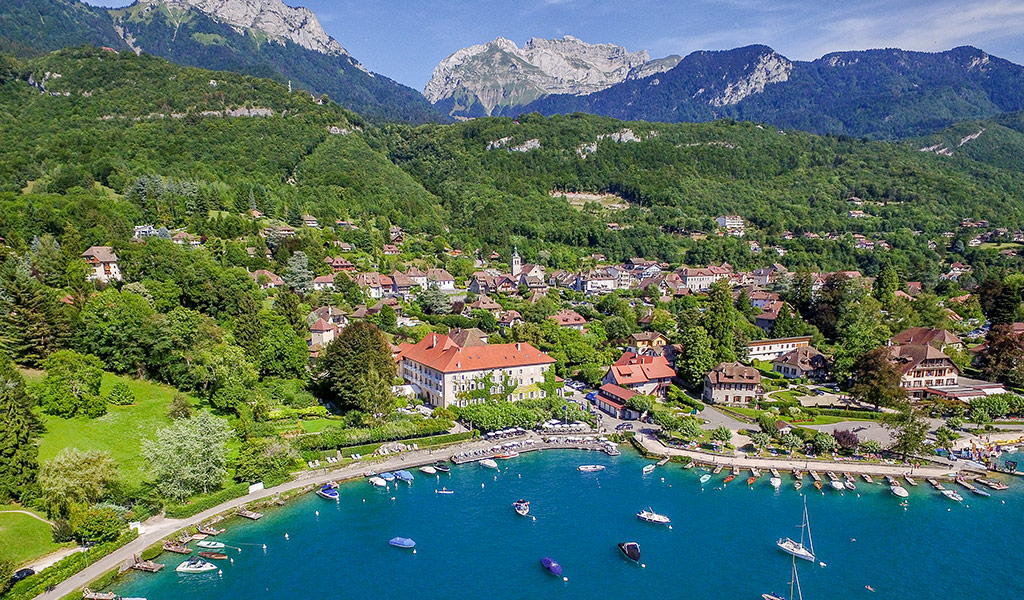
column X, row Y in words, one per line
column 798, row 484
column 850, row 485
column 378, row 482
column 648, row 469
column 387, row 476
column 705, row 478
column 327, row 492
column 799, row 475
column 831, row 475
column 522, row 507
column 848, row 476
column 401, row 542
column 404, row 475
column 442, row 467
column 195, row 565
column 815, row 476
column 552, row 567
column 590, row 468
column 664, row 461
column 899, row 490
column 213, row 555
column 891, row 480
column 210, row 545
column 630, row 550
column 776, row 482
column 837, row 485
column 208, row 530
column 794, row 583
column 751, row 480
column 980, row 492
column 935, row 484
column 444, row 491
column 955, row 497
column 910, row 480
column 488, row 463
column 775, row 472
column 995, row 485
column 507, row 455
column 867, row 478
column 798, row 549
column 652, row 517
column 428, row 470
column 728, row 478
column 817, row 484
column 176, row 547
column 690, row 465
column 717, row 470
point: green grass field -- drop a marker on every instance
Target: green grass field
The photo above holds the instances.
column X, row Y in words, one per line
column 119, row 432
column 23, row 537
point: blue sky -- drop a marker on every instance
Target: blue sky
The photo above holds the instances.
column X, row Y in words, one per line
column 405, row 39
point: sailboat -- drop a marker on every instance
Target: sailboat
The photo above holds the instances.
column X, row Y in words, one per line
column 798, row 549
column 794, row 583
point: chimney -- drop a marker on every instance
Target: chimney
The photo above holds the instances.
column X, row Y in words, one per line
column 433, row 341
column 519, row 346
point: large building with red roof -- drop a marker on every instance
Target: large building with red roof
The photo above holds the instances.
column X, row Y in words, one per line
column 442, row 370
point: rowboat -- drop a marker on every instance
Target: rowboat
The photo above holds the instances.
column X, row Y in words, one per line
column 799, row 475
column 211, row 545
column 705, row 478
column 935, row 484
column 428, row 470
column 798, row 484
column 995, row 485
column 751, row 480
column 176, row 547
column 728, row 478
column 817, row 484
column 754, row 472
column 652, row 517
column 899, row 490
column 590, row 468
column 488, row 463
column 213, row 555
column 814, row 475
column 648, row 469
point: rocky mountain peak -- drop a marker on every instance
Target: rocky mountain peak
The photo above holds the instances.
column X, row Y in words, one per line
column 273, row 17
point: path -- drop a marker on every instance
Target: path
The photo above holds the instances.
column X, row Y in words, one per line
column 25, row 512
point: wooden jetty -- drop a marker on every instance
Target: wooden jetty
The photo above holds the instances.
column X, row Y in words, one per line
column 799, row 475
column 775, row 472
column 176, row 547
column 910, row 480
column 248, row 514
column 145, row 565
column 815, row 476
column 664, row 461
column 935, row 484
column 832, row 476
column 718, row 469
column 88, row 594
column 992, row 484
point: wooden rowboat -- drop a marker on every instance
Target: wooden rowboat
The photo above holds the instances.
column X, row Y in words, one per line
column 213, row 555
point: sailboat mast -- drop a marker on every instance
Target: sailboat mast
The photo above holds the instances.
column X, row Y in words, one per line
column 807, row 523
column 792, row 578
column 796, row 578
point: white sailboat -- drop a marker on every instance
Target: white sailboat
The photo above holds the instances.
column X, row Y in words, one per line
column 797, row 549
column 794, row 583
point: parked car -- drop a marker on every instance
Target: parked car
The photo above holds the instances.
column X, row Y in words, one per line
column 21, row 574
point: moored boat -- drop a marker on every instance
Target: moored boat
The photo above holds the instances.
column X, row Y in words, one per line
column 404, row 475
column 209, row 530
column 551, row 566
column 798, row 484
column 728, row 478
column 507, row 455
column 442, row 467
column 980, row 492
column 899, row 490
column 590, row 468
column 814, row 475
column 210, row 545
column 648, row 469
column 867, row 478
column 428, row 470
column 387, row 476
column 195, row 565
column 176, row 547
column 445, row 491
column 377, row 482
column 850, row 485
column 705, row 478
column 522, row 507
column 955, row 497
column 837, row 485
column 798, row 549
column 718, row 469
column 488, row 463
column 751, row 480
column 817, row 484
column 652, row 517
column 690, row 465
column 630, row 550
column 798, row 474
column 327, row 492
column 402, row 542
column 776, row 482
column 213, row 555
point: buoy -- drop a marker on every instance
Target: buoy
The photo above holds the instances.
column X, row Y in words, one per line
column 670, row 527
column 364, row 499
column 392, row 497
column 481, row 486
column 858, row 495
column 565, row 579
column 948, row 509
column 220, row 572
column 286, row 536
column 264, row 547
column 822, row 564
column 232, row 560
column 317, row 513
column 535, row 518
column 643, row 566
column 414, row 551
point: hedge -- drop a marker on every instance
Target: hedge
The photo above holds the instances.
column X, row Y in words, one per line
column 309, row 412
column 201, row 503
column 29, row 588
column 858, row 414
column 337, row 437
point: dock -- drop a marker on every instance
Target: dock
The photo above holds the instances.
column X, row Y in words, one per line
column 146, row 565
column 248, row 514
column 88, row 594
column 815, row 476
column 177, row 547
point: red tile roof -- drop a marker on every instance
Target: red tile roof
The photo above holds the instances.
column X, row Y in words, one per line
column 568, row 318
column 618, row 395
column 440, row 353
column 633, row 369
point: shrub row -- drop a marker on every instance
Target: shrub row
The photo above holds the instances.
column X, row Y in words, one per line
column 201, row 503
column 285, row 412
column 337, row 437
column 31, row 587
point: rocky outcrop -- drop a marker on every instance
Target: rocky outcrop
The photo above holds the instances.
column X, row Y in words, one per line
column 272, row 17
column 499, row 73
column 771, row 67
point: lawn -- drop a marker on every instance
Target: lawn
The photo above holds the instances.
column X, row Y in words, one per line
column 23, row 537
column 119, row 432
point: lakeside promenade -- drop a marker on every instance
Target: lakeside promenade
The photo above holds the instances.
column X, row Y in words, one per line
column 157, row 528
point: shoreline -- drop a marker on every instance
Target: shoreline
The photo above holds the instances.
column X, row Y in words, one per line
column 157, row 529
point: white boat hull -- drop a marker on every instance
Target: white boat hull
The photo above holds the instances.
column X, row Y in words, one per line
column 795, row 548
column 899, row 491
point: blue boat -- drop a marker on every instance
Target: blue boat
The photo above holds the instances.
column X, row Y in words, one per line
column 405, row 476
column 327, row 492
column 401, row 542
column 387, row 476
column 553, row 567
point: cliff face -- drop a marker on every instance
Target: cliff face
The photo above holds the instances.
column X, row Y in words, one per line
column 477, row 79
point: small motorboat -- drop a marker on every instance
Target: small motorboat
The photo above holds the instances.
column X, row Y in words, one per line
column 689, row 465
column 210, row 545
column 387, row 476
column 652, row 517
column 428, row 470
column 522, row 507
column 552, row 567
column 507, row 455
column 327, row 492
column 401, row 542
column 488, row 463
column 728, row 478
column 776, row 482
column 867, row 478
column 442, row 467
column 378, row 482
column 837, row 485
column 850, row 485
column 899, row 490
column 705, row 478
column 817, row 484
column 404, row 476
column 952, row 495
column 648, row 469
column 630, row 550
column 213, row 555
column 590, row 468
column 196, row 565
column 444, row 491
column 751, row 480
column 717, row 470
column 980, row 492
column 798, row 484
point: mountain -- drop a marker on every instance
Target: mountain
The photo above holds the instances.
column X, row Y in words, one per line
column 256, row 37
column 875, row 93
column 488, row 78
column 998, row 141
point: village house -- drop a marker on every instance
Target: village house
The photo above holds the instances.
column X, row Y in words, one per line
column 570, row 319
column 507, row 319
column 374, row 285
column 102, row 264
column 769, row 313
column 184, row 238
column 324, row 282
column 484, row 302
column 918, row 336
column 339, row 263
column 441, row 279
column 804, row 362
column 391, row 250
column 769, row 350
column 417, row 276
column 401, row 285
column 442, row 371
column 266, row 279
column 956, row 271
column 310, row 221
column 597, row 281
column 330, row 314
column 396, row 234
column 857, row 214
column 343, row 246
column 612, row 399
column 649, row 343
column 469, row 337
column 321, row 333
column 733, row 224
column 649, row 375
column 144, row 231
column 923, row 367
column 732, row 383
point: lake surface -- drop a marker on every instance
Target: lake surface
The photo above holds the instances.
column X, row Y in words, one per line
column 471, row 544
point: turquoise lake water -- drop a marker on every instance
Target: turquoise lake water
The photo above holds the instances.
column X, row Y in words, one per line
column 472, row 545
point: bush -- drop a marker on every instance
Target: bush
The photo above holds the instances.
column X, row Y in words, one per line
column 62, row 531
column 337, row 437
column 181, row 408
column 201, row 503
column 121, row 395
column 95, row 524
column 308, row 412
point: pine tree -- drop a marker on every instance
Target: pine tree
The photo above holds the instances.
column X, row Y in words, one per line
column 720, row 321
column 886, row 284
column 299, row 276
column 25, row 331
column 358, row 359
column 18, row 450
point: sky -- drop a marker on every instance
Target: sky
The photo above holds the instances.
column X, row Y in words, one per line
column 406, row 39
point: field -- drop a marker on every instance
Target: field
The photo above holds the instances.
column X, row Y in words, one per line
column 23, row 537
column 119, row 432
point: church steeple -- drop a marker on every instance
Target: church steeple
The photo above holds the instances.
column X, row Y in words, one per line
column 517, row 262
